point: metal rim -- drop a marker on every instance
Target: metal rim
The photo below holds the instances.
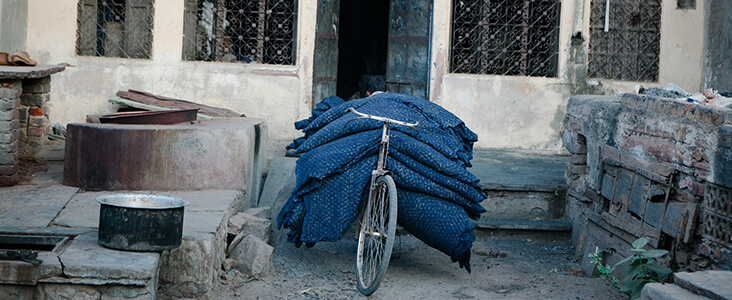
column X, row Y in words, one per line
column 142, row 201
column 376, row 235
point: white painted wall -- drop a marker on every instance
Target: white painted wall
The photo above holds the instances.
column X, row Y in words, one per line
column 505, row 111
column 278, row 94
column 528, row 112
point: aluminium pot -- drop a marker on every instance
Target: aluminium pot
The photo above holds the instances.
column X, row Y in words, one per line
column 140, row 222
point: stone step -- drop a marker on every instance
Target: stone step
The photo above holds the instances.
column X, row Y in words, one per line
column 660, row 291
column 523, row 224
column 712, row 284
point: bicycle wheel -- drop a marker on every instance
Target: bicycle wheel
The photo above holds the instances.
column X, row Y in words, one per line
column 376, row 235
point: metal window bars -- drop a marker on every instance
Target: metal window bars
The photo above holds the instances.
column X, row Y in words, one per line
column 506, row 37
column 115, row 28
column 261, row 31
column 625, row 39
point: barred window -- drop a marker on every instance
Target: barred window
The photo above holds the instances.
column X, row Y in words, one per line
column 114, row 28
column 625, row 40
column 505, row 37
column 261, row 31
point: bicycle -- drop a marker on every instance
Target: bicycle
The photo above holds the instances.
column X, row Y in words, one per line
column 377, row 226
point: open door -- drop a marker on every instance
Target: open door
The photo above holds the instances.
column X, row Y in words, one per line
column 325, row 68
column 408, row 56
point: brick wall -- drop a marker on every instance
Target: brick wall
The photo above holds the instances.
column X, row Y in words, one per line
column 667, row 144
column 9, row 102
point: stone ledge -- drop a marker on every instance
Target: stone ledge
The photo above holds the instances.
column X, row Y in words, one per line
column 712, row 284
column 13, row 72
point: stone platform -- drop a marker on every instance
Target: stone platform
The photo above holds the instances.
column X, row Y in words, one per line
column 82, row 268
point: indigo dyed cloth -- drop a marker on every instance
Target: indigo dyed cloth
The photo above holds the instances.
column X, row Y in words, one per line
column 436, row 194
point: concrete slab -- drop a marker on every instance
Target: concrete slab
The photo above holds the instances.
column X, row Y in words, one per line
column 86, row 262
column 507, row 169
column 660, row 291
column 32, row 205
column 278, row 186
column 712, row 284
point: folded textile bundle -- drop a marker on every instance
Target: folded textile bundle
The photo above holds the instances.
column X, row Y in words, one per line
column 436, row 193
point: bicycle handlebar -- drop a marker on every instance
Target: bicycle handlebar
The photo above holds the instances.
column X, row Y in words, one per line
column 387, row 120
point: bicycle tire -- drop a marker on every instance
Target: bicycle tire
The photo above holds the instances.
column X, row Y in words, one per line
column 375, row 247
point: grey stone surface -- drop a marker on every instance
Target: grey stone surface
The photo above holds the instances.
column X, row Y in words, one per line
column 279, row 184
column 39, row 71
column 85, row 261
column 525, row 205
column 189, row 270
column 712, row 284
column 260, row 212
column 659, row 291
column 32, row 205
column 20, row 272
column 253, row 256
column 516, row 170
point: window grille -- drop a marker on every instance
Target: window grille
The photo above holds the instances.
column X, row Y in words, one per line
column 261, row 31
column 629, row 49
column 505, row 37
column 115, row 28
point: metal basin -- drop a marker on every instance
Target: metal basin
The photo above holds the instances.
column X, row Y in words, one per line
column 140, row 222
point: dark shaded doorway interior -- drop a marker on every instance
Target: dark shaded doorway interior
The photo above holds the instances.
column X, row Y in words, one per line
column 362, row 45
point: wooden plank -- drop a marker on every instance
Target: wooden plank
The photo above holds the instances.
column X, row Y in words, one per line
column 162, row 101
column 135, row 104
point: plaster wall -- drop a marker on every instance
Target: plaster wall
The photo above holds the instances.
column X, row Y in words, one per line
column 13, row 15
column 527, row 112
column 279, row 95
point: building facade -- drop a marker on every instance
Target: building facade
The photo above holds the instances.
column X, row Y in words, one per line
column 507, row 68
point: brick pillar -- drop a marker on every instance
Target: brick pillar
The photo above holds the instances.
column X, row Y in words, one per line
column 34, row 110
column 10, row 91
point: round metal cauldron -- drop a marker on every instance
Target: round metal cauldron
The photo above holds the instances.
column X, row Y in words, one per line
column 140, row 222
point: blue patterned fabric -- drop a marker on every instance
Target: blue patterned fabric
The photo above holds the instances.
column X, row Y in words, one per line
column 436, row 194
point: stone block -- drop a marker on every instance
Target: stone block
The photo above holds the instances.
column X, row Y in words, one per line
column 578, row 159
column 9, row 91
column 8, row 180
column 228, row 264
column 250, row 225
column 35, row 111
column 253, row 256
column 577, row 169
column 34, row 99
column 8, row 104
column 279, row 185
column 23, row 115
column 9, row 126
column 9, row 169
column 664, row 291
column 712, row 284
column 37, row 85
column 189, row 270
column 35, row 132
column 46, row 110
column 9, row 158
column 705, row 114
column 8, row 137
column 263, row 212
column 38, row 121
column 9, row 115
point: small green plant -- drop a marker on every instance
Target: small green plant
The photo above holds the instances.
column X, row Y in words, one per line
column 642, row 268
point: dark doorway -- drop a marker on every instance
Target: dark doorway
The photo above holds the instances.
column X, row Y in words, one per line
column 362, row 44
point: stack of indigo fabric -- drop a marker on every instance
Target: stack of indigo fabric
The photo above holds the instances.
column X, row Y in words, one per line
column 436, row 194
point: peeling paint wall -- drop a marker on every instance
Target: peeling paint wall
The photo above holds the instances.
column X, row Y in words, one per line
column 12, row 21
column 527, row 112
column 279, row 95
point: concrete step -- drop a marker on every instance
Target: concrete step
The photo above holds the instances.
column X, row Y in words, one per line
column 712, row 284
column 521, row 184
column 523, row 224
column 660, row 291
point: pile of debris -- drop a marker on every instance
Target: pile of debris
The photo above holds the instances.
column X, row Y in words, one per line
column 248, row 251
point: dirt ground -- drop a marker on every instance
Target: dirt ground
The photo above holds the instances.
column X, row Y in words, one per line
column 503, row 267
